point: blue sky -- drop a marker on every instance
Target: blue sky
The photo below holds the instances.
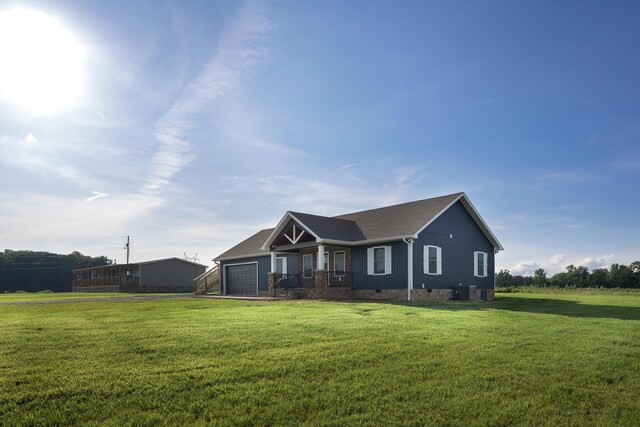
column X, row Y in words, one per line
column 191, row 125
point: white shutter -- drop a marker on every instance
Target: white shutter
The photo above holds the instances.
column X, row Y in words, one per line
column 475, row 264
column 439, row 259
column 284, row 265
column 484, row 264
column 387, row 260
column 425, row 260
column 369, row 261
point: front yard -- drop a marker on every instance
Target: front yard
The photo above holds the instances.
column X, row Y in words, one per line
column 523, row 359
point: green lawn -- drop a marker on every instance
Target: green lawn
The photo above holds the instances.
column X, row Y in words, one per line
column 527, row 359
column 58, row 296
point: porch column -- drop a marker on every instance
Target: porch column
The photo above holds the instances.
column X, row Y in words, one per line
column 273, row 261
column 320, row 257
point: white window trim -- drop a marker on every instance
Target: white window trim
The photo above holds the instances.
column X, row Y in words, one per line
column 304, row 275
column 476, row 264
column 371, row 260
column 425, row 260
column 326, row 261
column 284, row 264
column 344, row 262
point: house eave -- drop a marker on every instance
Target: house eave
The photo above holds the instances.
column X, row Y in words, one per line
column 364, row 242
column 281, row 224
column 231, row 258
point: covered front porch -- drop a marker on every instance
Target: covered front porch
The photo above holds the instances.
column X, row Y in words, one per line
column 318, row 267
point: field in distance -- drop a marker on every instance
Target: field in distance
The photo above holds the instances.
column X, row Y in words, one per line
column 563, row 359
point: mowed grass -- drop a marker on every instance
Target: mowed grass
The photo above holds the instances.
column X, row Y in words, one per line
column 522, row 360
column 60, row 296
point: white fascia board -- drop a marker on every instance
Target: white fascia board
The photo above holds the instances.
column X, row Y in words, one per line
column 283, row 222
column 415, row 235
column 483, row 225
column 304, row 226
column 231, row 258
column 474, row 214
column 365, row 242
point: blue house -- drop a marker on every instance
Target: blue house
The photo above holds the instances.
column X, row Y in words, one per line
column 432, row 249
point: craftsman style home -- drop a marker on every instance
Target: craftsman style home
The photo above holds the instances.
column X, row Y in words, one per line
column 432, row 249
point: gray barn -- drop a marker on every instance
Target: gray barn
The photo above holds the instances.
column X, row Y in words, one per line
column 162, row 275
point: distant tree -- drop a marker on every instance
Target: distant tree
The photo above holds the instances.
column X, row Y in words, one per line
column 504, row 279
column 599, row 278
column 635, row 267
column 558, row 280
column 520, row 280
column 621, row 276
column 540, row 278
column 36, row 270
column 577, row 276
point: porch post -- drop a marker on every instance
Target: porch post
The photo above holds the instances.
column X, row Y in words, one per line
column 320, row 257
column 273, row 261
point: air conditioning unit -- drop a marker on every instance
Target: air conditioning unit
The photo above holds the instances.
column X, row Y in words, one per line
column 467, row 292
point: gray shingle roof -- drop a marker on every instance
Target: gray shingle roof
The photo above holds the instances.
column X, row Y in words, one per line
column 391, row 222
column 250, row 246
column 331, row 228
column 399, row 220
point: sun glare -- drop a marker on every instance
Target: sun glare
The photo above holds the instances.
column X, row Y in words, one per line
column 41, row 64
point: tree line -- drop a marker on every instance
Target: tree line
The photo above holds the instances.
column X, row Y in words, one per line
column 39, row 271
column 618, row 276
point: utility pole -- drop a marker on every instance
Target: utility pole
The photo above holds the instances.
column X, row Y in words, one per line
column 127, row 248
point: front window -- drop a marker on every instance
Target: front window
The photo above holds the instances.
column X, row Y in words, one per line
column 307, row 266
column 281, row 265
column 326, row 261
column 338, row 263
column 378, row 260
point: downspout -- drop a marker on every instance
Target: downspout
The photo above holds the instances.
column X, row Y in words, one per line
column 409, row 242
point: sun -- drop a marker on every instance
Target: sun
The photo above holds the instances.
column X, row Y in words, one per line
column 41, row 63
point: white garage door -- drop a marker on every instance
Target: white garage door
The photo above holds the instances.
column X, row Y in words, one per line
column 242, row 279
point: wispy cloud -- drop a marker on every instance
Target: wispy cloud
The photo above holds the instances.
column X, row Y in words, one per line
column 552, row 264
column 558, row 263
column 490, row 101
column 347, row 166
column 628, row 165
column 96, row 195
column 54, row 222
column 29, row 154
column 240, row 47
column 564, row 177
column 29, row 139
